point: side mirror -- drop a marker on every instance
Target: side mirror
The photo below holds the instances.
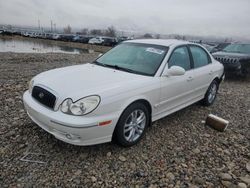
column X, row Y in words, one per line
column 174, row 71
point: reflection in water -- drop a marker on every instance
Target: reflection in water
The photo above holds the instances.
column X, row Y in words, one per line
column 28, row 46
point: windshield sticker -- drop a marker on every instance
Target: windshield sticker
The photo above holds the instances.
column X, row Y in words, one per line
column 154, row 50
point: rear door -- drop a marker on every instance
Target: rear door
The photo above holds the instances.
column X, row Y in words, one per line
column 202, row 69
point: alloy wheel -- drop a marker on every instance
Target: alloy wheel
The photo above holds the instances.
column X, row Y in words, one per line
column 212, row 93
column 134, row 125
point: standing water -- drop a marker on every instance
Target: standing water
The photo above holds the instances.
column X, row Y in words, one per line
column 36, row 46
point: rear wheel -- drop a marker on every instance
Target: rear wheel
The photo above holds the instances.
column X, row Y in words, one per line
column 211, row 93
column 132, row 125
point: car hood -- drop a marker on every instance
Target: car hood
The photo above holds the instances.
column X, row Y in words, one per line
column 231, row 55
column 83, row 80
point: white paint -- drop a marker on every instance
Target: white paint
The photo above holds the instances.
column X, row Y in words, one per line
column 117, row 90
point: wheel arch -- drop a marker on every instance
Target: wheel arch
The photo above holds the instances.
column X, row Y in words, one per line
column 142, row 100
column 204, row 100
column 130, row 102
column 217, row 79
column 146, row 103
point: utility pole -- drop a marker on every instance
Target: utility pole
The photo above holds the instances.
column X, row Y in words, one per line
column 54, row 27
column 39, row 26
column 51, row 26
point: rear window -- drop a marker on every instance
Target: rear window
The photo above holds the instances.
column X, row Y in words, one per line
column 200, row 56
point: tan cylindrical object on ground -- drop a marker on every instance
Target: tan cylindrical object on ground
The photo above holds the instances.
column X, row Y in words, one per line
column 216, row 122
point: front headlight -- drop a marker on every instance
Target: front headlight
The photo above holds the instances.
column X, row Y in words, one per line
column 81, row 107
column 31, row 83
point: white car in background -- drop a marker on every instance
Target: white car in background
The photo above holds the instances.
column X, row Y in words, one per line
column 96, row 40
column 119, row 94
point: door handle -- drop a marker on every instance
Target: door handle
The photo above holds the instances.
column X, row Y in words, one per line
column 190, row 78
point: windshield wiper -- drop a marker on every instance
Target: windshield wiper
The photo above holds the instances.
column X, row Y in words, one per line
column 119, row 68
column 107, row 65
column 98, row 63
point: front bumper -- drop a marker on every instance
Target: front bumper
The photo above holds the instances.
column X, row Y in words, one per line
column 77, row 130
column 232, row 67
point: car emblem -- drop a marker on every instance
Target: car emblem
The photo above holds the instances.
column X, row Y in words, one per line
column 41, row 95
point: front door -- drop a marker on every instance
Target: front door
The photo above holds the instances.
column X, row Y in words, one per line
column 177, row 91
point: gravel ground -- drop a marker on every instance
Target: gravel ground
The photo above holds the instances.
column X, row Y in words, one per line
column 177, row 151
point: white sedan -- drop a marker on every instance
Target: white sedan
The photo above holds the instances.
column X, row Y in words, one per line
column 119, row 94
column 96, row 40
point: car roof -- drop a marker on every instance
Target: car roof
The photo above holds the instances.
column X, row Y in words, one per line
column 240, row 43
column 162, row 42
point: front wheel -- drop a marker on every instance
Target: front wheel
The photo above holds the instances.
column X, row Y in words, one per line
column 132, row 124
column 211, row 93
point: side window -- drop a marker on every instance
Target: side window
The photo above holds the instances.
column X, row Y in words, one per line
column 200, row 57
column 180, row 57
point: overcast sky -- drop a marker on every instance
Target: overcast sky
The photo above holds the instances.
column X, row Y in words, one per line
column 197, row 17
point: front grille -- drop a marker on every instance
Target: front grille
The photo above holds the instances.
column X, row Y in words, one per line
column 226, row 60
column 44, row 97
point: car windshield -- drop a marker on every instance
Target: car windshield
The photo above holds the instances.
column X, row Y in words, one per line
column 238, row 48
column 143, row 59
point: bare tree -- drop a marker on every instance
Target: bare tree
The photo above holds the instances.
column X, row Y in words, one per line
column 178, row 37
column 147, row 36
column 96, row 32
column 85, row 31
column 228, row 40
column 158, row 36
column 9, row 27
column 111, row 31
column 67, row 30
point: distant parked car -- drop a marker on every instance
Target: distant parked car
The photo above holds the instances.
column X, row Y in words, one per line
column 121, row 39
column 56, row 36
column 96, row 40
column 76, row 38
column 66, row 37
column 26, row 34
column 85, row 39
column 119, row 94
column 16, row 32
column 219, row 47
column 109, row 41
column 208, row 47
column 7, row 33
column 81, row 39
column 49, row 36
column 235, row 58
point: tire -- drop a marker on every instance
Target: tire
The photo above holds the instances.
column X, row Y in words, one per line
column 132, row 125
column 211, row 93
column 244, row 73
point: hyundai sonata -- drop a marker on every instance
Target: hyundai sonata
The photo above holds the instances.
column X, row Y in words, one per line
column 119, row 94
